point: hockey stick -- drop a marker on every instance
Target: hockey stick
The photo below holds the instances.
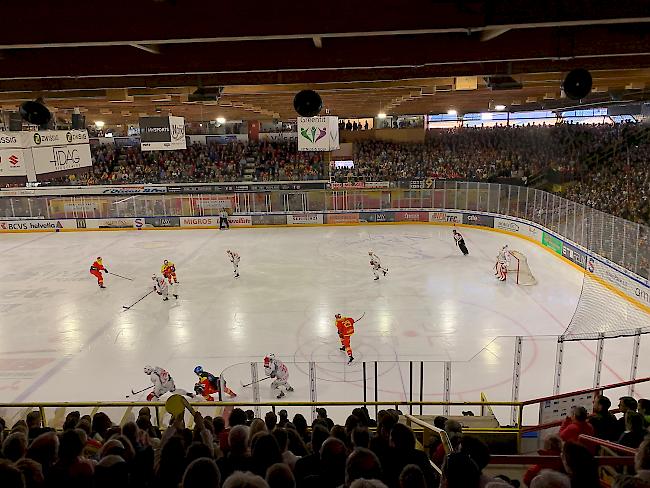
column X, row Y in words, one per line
column 139, row 391
column 127, row 308
column 362, row 316
column 258, row 381
column 120, row 276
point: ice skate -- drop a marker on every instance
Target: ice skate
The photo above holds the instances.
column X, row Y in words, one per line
column 281, row 394
column 351, row 359
column 176, row 297
column 376, row 278
column 289, row 388
column 165, row 299
column 342, row 348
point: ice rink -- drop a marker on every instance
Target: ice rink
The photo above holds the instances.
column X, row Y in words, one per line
column 64, row 339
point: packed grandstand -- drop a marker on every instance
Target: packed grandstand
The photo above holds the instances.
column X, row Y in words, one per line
column 603, row 166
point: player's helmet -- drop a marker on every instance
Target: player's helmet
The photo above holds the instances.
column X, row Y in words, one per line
column 454, row 231
column 369, row 253
column 165, row 262
column 148, row 369
column 198, row 369
column 338, row 316
column 154, row 277
column 99, row 259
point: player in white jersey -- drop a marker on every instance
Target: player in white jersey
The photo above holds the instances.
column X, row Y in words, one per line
column 501, row 266
column 162, row 383
column 161, row 287
column 234, row 259
column 375, row 265
column 278, row 370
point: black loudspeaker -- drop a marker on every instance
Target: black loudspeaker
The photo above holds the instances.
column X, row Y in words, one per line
column 78, row 121
column 35, row 113
column 15, row 122
column 577, row 84
column 307, row 103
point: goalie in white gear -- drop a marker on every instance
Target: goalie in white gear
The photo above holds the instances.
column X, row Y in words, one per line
column 278, row 370
column 234, row 259
column 162, row 383
column 501, row 266
column 375, row 264
column 161, row 287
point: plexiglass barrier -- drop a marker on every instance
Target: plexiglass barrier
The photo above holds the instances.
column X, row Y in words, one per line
column 622, row 242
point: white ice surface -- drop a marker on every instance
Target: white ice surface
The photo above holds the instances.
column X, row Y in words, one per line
column 64, row 339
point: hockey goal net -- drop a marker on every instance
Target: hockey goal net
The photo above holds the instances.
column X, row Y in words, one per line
column 518, row 266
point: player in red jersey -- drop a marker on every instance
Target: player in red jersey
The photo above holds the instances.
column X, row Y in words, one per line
column 96, row 270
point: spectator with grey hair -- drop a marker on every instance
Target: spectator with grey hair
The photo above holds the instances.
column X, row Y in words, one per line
column 331, row 468
column 280, row 476
column 201, row 473
column 547, row 478
column 245, row 479
column 575, row 425
column 412, row 477
column 362, row 463
column 14, row 446
column 238, row 457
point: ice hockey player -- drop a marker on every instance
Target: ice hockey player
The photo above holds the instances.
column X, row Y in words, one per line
column 375, row 264
column 345, row 328
column 162, row 383
column 168, row 270
column 278, row 370
column 209, row 385
column 234, row 259
column 223, row 220
column 161, row 287
column 96, row 270
column 501, row 267
column 460, row 242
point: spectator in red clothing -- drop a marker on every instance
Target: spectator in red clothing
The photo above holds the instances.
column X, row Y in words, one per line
column 552, row 447
column 575, row 425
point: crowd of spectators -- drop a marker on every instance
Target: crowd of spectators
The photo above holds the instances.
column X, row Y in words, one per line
column 604, row 166
column 276, row 452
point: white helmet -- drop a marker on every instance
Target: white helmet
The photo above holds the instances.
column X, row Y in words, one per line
column 165, row 262
column 148, row 369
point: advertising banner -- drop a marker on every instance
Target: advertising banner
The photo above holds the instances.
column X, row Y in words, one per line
column 278, row 136
column 114, row 223
column 12, row 162
column 199, row 221
column 302, row 219
column 574, row 255
column 40, row 224
column 240, row 220
column 633, row 288
column 214, row 202
column 132, row 190
column 552, row 242
column 318, row 133
column 478, row 219
column 162, row 222
column 342, row 218
column 10, row 140
column 50, row 159
column 411, row 216
column 422, row 184
column 376, row 217
column 272, row 219
column 162, row 133
column 454, row 218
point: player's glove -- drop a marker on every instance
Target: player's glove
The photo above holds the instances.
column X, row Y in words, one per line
column 272, row 375
column 159, row 292
column 105, row 270
column 198, row 388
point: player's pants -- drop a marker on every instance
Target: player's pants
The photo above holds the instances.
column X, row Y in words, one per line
column 375, row 271
column 170, row 275
column 235, row 267
column 463, row 247
column 277, row 385
column 164, row 292
column 503, row 271
column 345, row 342
column 97, row 274
column 223, row 223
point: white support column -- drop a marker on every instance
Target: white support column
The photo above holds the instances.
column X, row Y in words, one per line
column 256, row 389
column 635, row 360
column 559, row 353
column 599, row 359
column 516, row 376
column 447, row 390
column 313, row 397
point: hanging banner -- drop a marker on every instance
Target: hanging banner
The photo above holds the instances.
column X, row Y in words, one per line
column 318, row 133
column 162, row 133
column 12, row 162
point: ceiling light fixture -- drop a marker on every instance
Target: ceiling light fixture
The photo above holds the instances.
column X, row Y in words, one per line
column 499, row 107
column 451, row 111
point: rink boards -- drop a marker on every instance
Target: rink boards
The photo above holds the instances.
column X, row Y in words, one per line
column 624, row 283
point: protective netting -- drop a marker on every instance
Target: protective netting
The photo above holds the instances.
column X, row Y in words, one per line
column 602, row 312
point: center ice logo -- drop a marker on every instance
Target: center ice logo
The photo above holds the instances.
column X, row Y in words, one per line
column 310, row 135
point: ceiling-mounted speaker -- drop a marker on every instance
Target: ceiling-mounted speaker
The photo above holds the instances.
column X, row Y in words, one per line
column 35, row 113
column 577, row 84
column 307, row 103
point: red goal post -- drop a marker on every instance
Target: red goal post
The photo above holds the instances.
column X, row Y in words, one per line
column 518, row 265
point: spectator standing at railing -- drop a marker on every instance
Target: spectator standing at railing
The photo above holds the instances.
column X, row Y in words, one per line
column 576, row 425
column 603, row 421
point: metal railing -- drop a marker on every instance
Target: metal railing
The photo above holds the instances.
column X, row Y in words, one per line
column 618, row 240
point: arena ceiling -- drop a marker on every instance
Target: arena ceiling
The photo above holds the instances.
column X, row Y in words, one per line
column 125, row 59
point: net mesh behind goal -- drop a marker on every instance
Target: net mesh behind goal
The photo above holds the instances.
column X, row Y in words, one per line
column 519, row 267
column 601, row 312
